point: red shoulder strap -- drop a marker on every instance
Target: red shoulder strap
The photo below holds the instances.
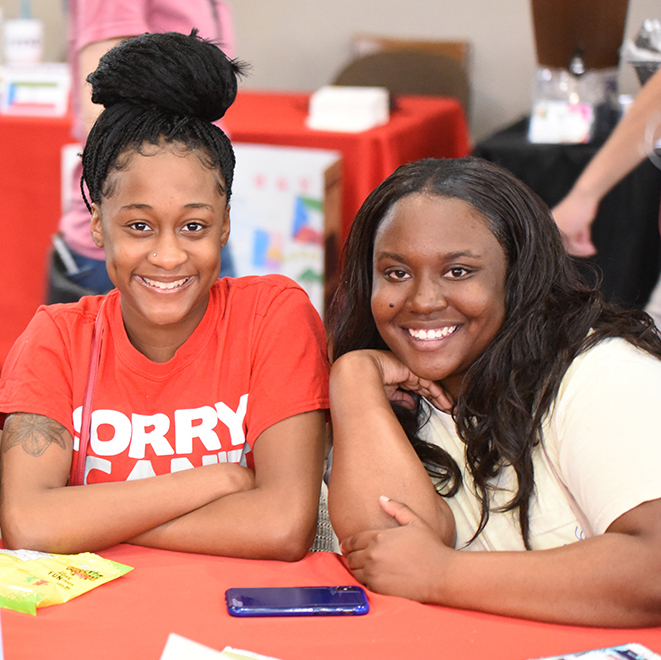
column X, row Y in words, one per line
column 85, row 427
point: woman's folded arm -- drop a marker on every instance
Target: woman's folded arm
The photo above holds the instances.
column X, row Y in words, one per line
column 40, row 512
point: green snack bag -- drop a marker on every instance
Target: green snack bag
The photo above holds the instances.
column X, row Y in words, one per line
column 30, row 579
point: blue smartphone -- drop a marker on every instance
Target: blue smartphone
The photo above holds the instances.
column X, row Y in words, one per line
column 296, row 601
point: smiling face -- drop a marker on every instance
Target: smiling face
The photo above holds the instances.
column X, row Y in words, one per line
column 162, row 226
column 438, row 291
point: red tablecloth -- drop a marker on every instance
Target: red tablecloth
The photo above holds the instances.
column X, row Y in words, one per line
column 419, row 127
column 131, row 618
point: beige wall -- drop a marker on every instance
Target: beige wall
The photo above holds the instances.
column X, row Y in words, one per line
column 51, row 12
column 301, row 44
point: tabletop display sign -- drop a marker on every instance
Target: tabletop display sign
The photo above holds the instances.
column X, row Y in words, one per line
column 623, row 652
column 561, row 122
column 35, row 89
column 286, row 214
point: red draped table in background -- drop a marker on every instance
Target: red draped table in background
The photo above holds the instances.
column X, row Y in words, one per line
column 30, row 174
column 131, row 617
column 30, row 156
column 419, row 127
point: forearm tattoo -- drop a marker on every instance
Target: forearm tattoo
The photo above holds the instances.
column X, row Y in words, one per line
column 35, row 433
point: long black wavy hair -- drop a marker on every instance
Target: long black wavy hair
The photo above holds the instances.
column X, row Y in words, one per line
column 551, row 316
column 157, row 89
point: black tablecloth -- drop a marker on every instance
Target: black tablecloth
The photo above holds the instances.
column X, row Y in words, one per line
column 626, row 229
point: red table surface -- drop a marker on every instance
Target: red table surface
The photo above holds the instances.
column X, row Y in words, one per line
column 166, row 592
column 419, row 127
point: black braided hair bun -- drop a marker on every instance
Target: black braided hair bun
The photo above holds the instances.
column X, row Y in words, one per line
column 183, row 74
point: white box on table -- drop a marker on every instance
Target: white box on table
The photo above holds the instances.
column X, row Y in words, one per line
column 348, row 109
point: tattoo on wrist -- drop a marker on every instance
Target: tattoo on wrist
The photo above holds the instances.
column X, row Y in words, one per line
column 35, row 433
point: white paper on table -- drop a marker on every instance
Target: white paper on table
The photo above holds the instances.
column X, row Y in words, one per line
column 181, row 648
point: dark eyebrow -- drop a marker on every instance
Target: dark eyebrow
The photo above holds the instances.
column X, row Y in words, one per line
column 448, row 257
column 198, row 205
column 129, row 207
column 390, row 255
column 147, row 207
column 463, row 253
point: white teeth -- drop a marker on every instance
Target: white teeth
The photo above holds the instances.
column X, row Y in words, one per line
column 439, row 333
column 165, row 286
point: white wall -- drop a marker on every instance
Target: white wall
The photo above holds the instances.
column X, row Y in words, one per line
column 301, row 44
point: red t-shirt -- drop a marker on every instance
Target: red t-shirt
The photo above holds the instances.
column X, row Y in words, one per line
column 257, row 357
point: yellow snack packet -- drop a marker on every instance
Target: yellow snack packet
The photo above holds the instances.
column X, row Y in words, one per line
column 30, row 579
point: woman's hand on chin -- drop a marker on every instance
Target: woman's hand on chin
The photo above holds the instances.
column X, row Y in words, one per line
column 409, row 560
column 398, row 379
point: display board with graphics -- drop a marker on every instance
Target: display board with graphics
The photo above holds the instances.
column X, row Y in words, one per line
column 285, row 214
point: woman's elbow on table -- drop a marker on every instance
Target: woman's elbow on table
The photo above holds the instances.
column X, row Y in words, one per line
column 644, row 585
column 291, row 537
column 650, row 606
column 22, row 528
column 284, row 528
column 636, row 570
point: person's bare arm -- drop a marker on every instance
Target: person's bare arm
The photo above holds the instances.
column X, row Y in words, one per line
column 626, row 148
column 613, row 579
column 372, row 456
column 401, row 546
column 39, row 511
column 277, row 518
